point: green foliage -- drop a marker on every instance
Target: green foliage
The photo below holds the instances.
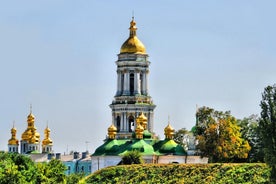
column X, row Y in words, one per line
column 250, row 131
column 268, row 127
column 179, row 137
column 74, row 178
column 219, row 136
column 132, row 157
column 18, row 168
column 183, row 173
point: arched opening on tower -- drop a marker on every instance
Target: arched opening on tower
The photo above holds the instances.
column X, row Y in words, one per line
column 131, row 83
column 141, row 83
column 118, row 123
column 130, row 124
column 122, row 83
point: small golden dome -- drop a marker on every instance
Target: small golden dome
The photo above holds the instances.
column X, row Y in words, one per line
column 142, row 120
column 169, row 131
column 112, row 131
column 30, row 118
column 133, row 44
column 112, row 128
column 47, row 140
column 139, row 131
column 13, row 140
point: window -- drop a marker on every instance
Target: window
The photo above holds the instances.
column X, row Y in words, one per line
column 130, row 124
column 118, row 123
column 131, row 83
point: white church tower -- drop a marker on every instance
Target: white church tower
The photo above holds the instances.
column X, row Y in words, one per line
column 132, row 96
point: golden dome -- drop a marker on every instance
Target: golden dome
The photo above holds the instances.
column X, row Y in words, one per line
column 30, row 118
column 47, row 140
column 139, row 131
column 13, row 140
column 169, row 131
column 112, row 131
column 142, row 120
column 133, row 44
column 30, row 134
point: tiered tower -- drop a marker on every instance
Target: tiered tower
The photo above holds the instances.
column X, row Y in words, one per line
column 132, row 96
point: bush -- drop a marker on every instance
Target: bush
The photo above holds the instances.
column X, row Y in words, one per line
column 183, row 173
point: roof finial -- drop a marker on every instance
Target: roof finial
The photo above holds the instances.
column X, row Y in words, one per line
column 168, row 119
column 132, row 14
column 31, row 108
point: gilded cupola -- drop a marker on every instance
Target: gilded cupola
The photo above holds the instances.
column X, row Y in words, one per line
column 30, row 135
column 133, row 44
column 169, row 131
column 139, row 131
column 142, row 120
column 112, row 131
column 13, row 140
column 47, row 140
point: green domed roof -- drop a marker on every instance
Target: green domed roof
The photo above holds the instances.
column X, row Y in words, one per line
column 141, row 146
column 147, row 134
column 110, row 147
column 169, row 146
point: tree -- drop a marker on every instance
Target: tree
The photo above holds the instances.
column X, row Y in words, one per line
column 219, row 136
column 268, row 127
column 74, row 178
column 17, row 168
column 179, row 137
column 132, row 157
column 250, row 131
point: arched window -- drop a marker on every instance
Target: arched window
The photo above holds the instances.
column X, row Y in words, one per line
column 131, row 124
column 118, row 123
column 122, row 82
column 131, row 83
column 141, row 82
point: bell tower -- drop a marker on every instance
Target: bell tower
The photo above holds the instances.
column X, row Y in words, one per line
column 132, row 95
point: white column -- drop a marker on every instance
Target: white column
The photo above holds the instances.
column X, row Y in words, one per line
column 146, row 82
column 121, row 121
column 125, row 83
column 138, row 80
column 137, row 89
column 127, row 125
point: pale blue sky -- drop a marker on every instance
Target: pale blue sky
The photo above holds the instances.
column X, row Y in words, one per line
column 60, row 56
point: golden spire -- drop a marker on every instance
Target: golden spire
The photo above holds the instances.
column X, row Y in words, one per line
column 112, row 131
column 13, row 140
column 133, row 44
column 47, row 140
column 169, row 130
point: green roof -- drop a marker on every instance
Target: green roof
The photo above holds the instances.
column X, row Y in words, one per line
column 169, row 146
column 140, row 145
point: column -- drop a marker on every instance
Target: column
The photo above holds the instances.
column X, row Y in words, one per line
column 137, row 89
column 126, row 83
column 118, row 83
column 146, row 82
column 121, row 121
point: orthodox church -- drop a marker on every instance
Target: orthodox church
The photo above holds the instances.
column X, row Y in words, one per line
column 30, row 139
column 133, row 112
